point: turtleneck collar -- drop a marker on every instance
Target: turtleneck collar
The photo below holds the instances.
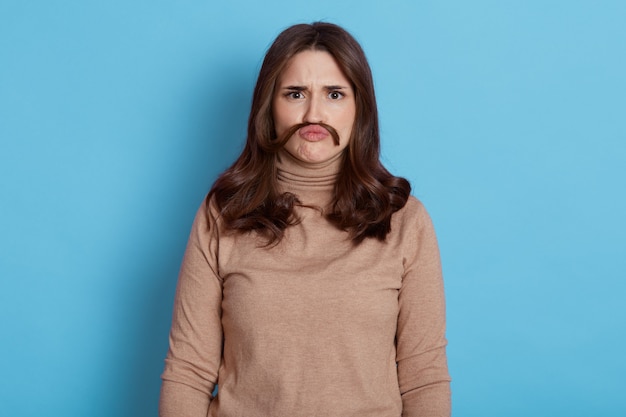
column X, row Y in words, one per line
column 313, row 183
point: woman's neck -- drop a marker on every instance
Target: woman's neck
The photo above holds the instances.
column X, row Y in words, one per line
column 313, row 183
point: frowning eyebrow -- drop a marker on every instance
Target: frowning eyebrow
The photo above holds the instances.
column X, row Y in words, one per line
column 295, row 88
column 335, row 87
column 303, row 88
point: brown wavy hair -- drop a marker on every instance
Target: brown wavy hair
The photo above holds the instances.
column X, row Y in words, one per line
column 365, row 194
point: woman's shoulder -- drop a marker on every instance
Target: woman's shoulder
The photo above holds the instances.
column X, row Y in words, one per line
column 207, row 218
column 414, row 209
column 411, row 220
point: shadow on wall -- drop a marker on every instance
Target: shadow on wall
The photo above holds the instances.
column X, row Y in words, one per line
column 219, row 107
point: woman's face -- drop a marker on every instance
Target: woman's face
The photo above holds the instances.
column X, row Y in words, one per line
column 313, row 89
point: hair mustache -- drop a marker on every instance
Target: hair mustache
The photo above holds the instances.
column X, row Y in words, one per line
column 293, row 129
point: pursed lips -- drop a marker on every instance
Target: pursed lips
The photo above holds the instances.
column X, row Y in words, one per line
column 313, row 133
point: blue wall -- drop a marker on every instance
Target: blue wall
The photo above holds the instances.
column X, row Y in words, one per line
column 508, row 117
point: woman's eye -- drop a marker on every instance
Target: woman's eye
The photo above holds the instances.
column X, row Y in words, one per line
column 296, row 95
column 335, row 95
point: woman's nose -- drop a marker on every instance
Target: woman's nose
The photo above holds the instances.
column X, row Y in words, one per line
column 315, row 111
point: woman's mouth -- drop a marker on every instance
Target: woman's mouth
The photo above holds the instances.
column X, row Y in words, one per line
column 313, row 133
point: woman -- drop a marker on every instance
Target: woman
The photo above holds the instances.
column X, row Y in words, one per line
column 311, row 284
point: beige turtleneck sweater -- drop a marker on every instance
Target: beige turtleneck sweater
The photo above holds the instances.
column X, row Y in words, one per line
column 314, row 326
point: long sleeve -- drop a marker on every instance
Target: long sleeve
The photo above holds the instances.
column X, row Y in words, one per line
column 194, row 355
column 421, row 343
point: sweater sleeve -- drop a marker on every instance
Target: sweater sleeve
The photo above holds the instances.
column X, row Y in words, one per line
column 195, row 343
column 421, row 342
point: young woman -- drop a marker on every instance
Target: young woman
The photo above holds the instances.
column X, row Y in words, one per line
column 311, row 284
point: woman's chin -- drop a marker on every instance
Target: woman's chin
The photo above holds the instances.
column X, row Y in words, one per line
column 315, row 152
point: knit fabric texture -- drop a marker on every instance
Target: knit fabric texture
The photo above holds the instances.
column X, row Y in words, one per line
column 313, row 326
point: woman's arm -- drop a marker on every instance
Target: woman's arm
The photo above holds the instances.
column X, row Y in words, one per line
column 194, row 355
column 421, row 342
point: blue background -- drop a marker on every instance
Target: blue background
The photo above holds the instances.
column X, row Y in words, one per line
column 508, row 117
